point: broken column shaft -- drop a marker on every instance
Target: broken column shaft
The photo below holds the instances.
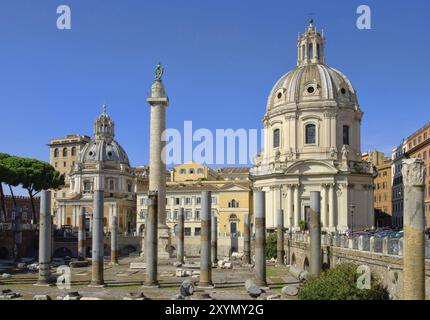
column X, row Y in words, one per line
column 280, row 252
column 315, row 234
column 247, row 239
column 151, row 240
column 180, row 252
column 205, row 241
column 413, row 226
column 97, row 278
column 214, row 239
column 260, row 238
column 114, row 240
column 45, row 239
column 81, row 235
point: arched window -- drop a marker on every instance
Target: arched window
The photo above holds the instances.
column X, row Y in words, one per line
column 303, row 52
column 200, row 171
column 276, row 138
column 318, row 51
column 64, row 152
column 56, row 153
column 73, row 151
column 233, row 204
column 310, row 134
column 346, row 135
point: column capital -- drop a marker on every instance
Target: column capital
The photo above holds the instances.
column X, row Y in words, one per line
column 413, row 172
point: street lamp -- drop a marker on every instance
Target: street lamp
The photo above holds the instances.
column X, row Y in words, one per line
column 351, row 210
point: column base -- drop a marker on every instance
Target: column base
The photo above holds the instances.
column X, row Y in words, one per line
column 164, row 243
column 44, row 284
column 154, row 285
column 97, row 285
column 206, row 285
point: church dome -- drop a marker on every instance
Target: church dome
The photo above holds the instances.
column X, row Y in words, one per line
column 103, row 148
column 312, row 80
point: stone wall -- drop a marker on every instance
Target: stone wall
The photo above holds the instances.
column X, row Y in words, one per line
column 387, row 267
column 226, row 245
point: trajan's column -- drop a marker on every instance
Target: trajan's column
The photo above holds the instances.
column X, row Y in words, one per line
column 159, row 101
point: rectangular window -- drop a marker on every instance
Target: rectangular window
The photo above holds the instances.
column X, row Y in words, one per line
column 346, row 135
column 187, row 201
column 197, row 231
column 198, row 200
column 187, row 231
column 177, row 201
column 276, row 138
column 310, row 134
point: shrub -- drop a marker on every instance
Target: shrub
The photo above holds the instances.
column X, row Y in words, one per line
column 303, row 225
column 271, row 246
column 340, row 283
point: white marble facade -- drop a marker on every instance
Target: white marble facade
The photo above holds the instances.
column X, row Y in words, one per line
column 312, row 143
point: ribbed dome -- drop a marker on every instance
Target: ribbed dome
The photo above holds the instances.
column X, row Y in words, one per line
column 103, row 147
column 312, row 82
column 101, row 150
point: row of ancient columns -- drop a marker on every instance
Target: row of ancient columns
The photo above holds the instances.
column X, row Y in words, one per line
column 414, row 238
column 208, row 240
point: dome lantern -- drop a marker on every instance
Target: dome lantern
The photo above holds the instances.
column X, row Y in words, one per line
column 310, row 46
column 104, row 127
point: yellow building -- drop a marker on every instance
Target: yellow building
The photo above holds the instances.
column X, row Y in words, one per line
column 231, row 197
column 63, row 154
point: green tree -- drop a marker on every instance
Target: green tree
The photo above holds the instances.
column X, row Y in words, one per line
column 34, row 176
column 9, row 176
column 340, row 283
column 4, row 174
column 271, row 246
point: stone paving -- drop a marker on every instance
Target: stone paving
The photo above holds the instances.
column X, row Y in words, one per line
column 121, row 281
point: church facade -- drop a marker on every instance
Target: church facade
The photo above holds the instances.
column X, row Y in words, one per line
column 101, row 156
column 312, row 143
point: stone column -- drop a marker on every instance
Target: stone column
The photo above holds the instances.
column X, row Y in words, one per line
column 290, row 204
column 260, row 238
column 81, row 235
column 296, row 206
column 205, row 241
column 17, row 234
column 151, row 241
column 214, row 239
column 247, row 239
column 331, row 207
column 159, row 101
column 114, row 239
column 280, row 252
column 45, row 239
column 315, row 235
column 180, row 252
column 97, row 278
column 413, row 226
column 324, row 215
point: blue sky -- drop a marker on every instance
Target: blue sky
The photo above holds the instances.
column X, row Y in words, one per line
column 221, row 57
